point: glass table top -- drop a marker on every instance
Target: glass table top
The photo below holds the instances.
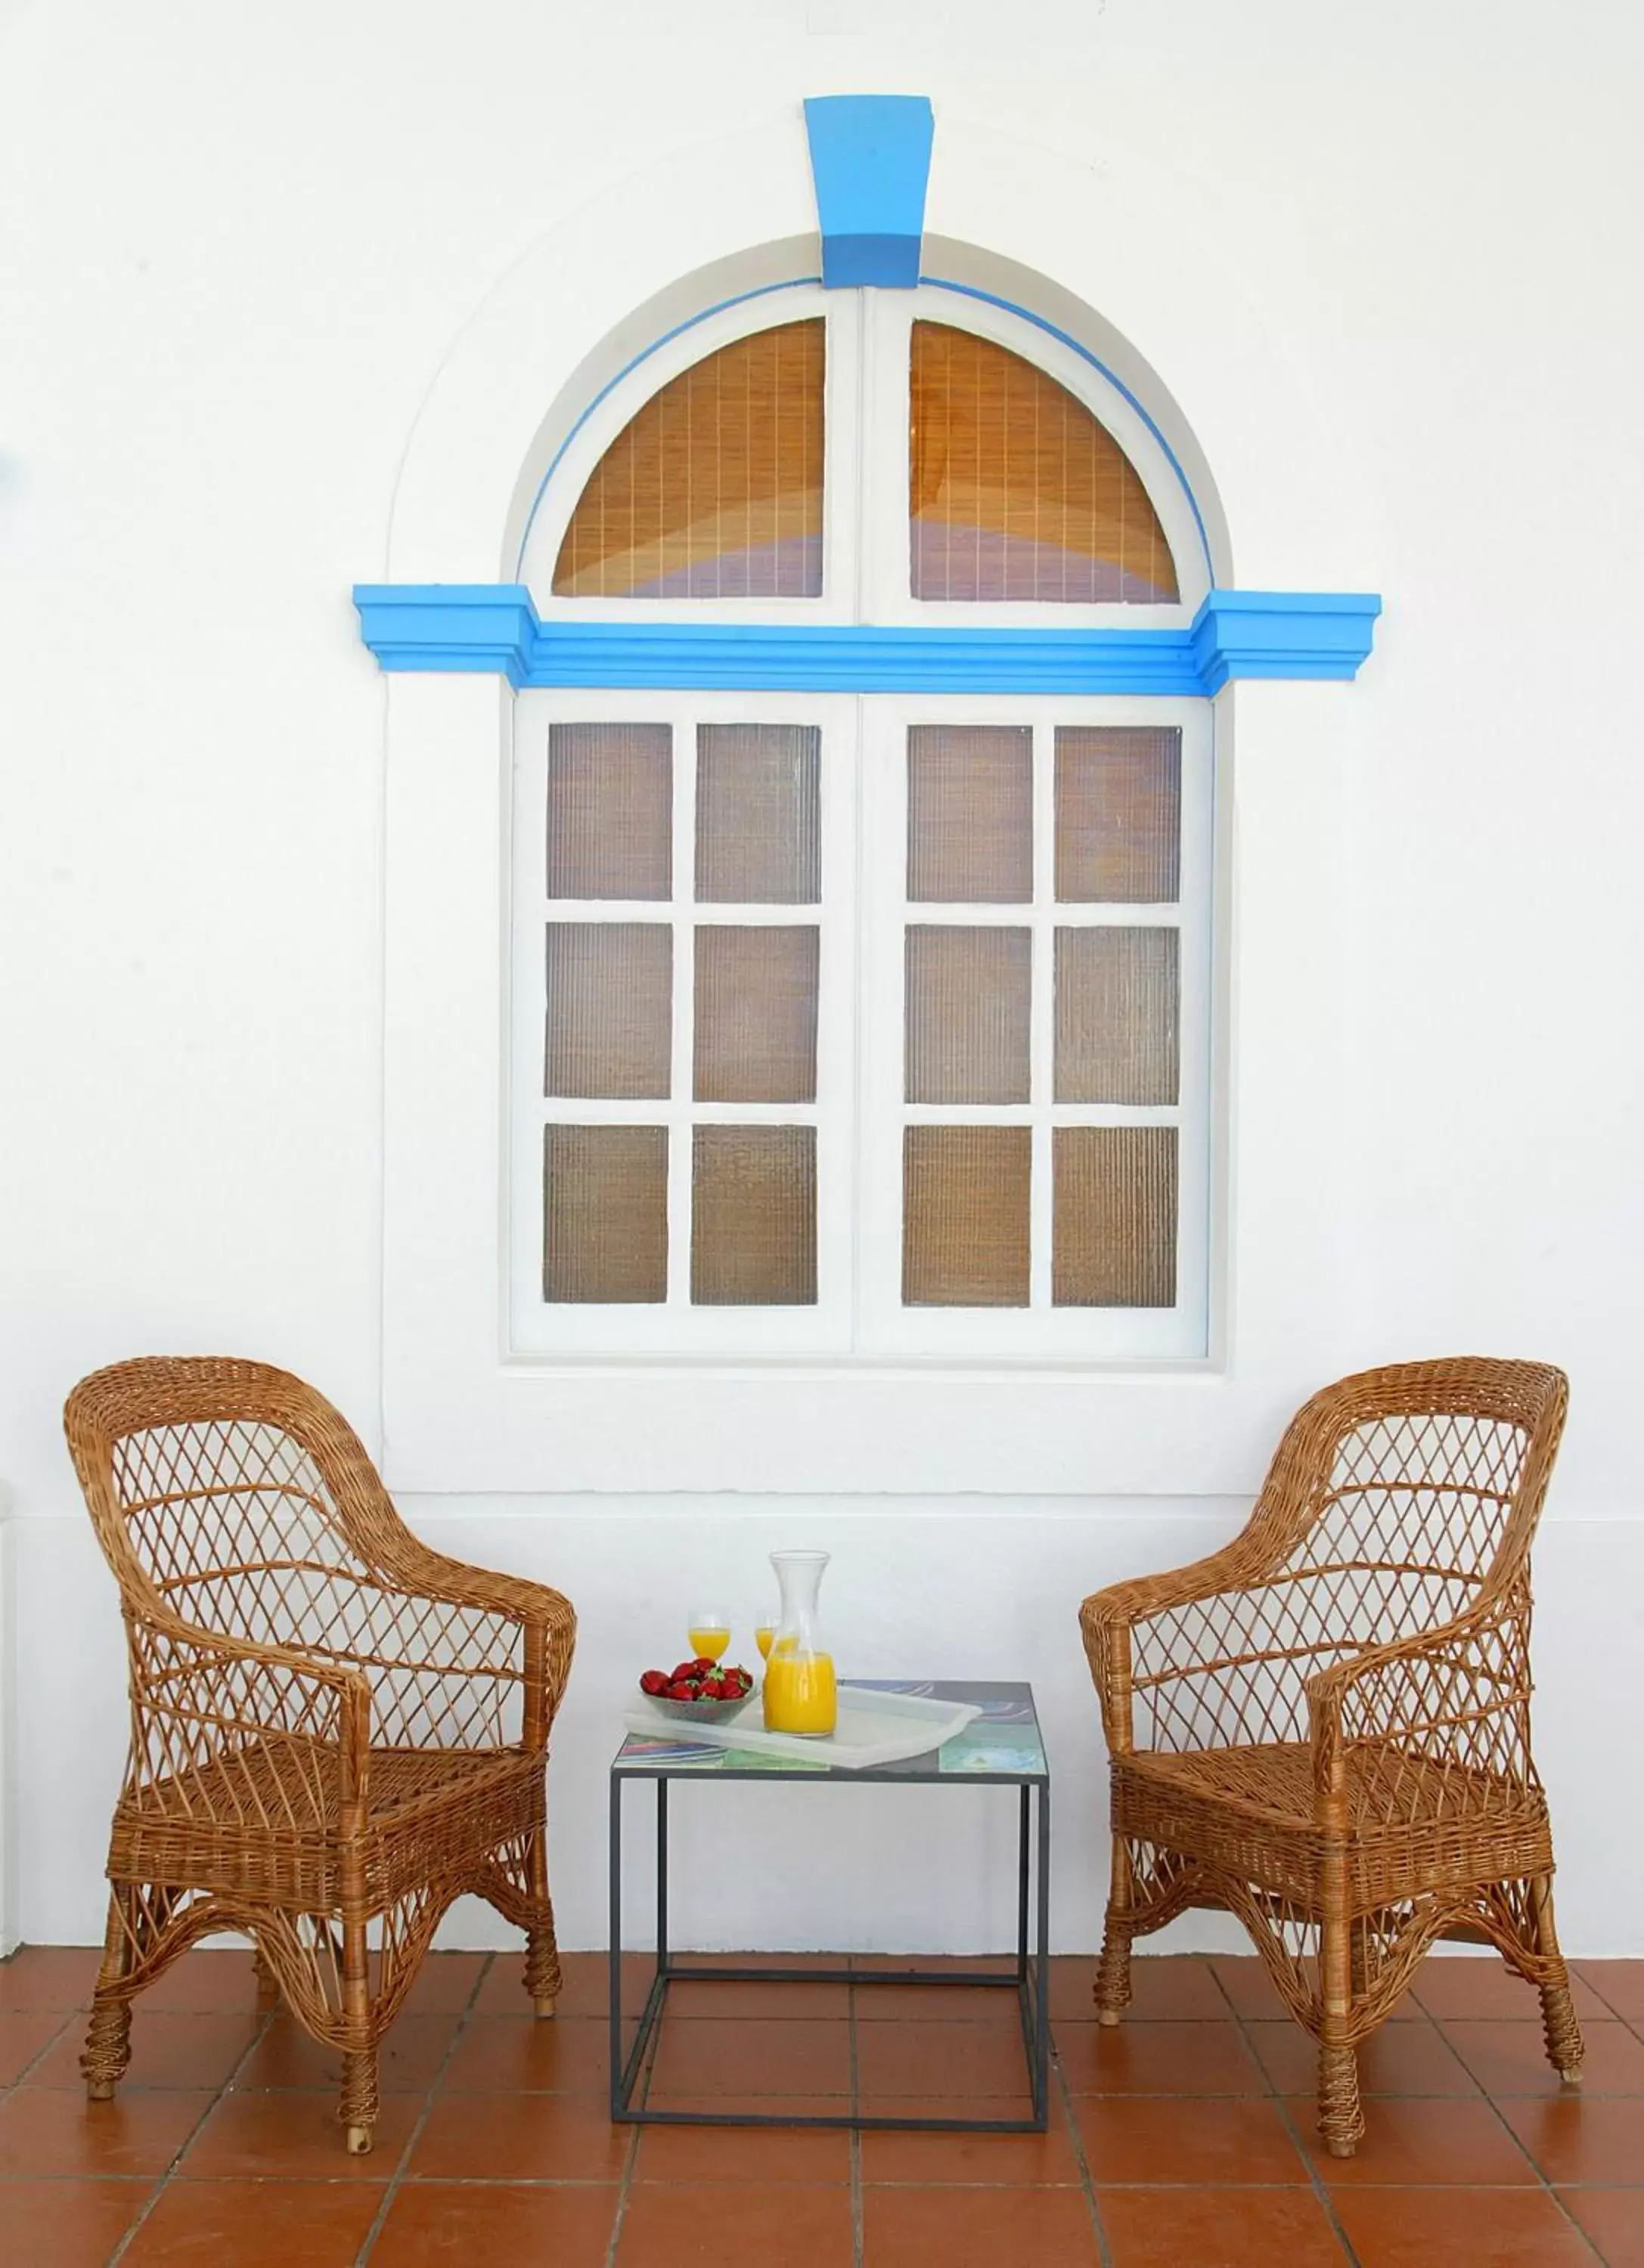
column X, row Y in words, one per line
column 1003, row 1743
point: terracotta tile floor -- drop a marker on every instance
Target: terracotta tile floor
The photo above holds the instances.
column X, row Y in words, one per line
column 1182, row 2140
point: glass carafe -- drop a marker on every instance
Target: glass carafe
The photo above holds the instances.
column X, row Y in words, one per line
column 800, row 1690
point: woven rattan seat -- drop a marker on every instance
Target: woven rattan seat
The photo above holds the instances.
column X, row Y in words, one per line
column 335, row 1731
column 1326, row 1728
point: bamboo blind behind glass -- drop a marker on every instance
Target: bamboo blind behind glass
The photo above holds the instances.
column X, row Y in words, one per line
column 1114, row 999
column 1017, row 491
column 613, row 1004
column 714, row 489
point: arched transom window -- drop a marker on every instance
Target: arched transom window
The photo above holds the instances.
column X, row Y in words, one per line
column 851, row 1020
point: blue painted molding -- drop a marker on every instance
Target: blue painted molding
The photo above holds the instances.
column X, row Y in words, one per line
column 495, row 628
column 870, row 161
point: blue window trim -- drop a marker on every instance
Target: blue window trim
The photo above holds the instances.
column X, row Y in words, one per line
column 468, row 627
column 870, row 162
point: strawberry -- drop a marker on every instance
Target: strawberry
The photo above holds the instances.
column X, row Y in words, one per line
column 705, row 1665
column 685, row 1669
column 680, row 1691
column 653, row 1681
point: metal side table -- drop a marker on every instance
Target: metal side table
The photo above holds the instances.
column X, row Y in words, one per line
column 1002, row 1748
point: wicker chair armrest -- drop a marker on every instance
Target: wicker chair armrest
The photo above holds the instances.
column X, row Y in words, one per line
column 545, row 1617
column 197, row 1694
column 1109, row 1619
column 1456, row 1697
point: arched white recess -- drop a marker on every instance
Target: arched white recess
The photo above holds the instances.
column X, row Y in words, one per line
column 603, row 283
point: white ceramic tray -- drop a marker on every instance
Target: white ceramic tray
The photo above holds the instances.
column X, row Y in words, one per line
column 873, row 1728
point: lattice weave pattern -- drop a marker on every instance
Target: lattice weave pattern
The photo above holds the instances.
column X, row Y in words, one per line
column 335, row 1731
column 1324, row 1727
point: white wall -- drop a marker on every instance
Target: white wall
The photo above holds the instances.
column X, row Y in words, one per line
column 1376, row 260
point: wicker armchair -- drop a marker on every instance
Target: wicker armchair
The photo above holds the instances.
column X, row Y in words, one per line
column 335, row 1730
column 1324, row 1728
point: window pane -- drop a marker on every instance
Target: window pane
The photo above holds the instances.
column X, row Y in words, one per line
column 1116, row 1015
column 964, row 1216
column 969, row 1010
column 1118, row 814
column 1114, row 1242
column 610, row 822
column 605, row 1213
column 714, row 490
column 757, row 1014
column 752, row 1239
column 609, row 1008
column 970, row 814
column 1017, row 491
column 758, row 814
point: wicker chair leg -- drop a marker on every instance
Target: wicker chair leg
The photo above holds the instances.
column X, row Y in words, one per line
column 268, row 1982
column 359, row 2112
column 1113, row 1970
column 1340, row 2116
column 107, row 2050
column 1565, row 2048
column 542, row 1978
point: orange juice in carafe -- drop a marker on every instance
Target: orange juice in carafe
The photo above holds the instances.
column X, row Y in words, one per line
column 801, row 1690
column 802, row 1695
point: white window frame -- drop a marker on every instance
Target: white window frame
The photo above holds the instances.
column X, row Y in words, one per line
column 677, row 1329
column 886, row 1330
column 865, row 537
column 858, row 1319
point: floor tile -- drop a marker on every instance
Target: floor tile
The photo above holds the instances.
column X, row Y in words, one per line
column 757, row 2056
column 934, row 2004
column 1409, row 2058
column 55, row 2130
column 1441, row 2145
column 49, row 1977
column 745, row 2154
column 432, row 2224
column 584, row 1990
column 1244, row 1980
column 892, row 1964
column 408, row 2062
column 776, row 2225
column 216, row 1978
column 445, row 1984
column 1158, row 2059
column 1460, row 2228
column 1451, row 1985
column 789, row 2003
column 1218, row 2228
column 1164, row 1986
column 67, row 2224
column 1612, row 2220
column 24, row 2033
column 1571, row 2139
column 503, row 2055
column 561, row 2138
column 256, row 2224
column 1509, row 2060
column 167, row 2050
column 938, row 2058
column 1619, row 1984
column 288, row 2137
column 1026, row 2161
column 1129, row 2140
column 974, row 2228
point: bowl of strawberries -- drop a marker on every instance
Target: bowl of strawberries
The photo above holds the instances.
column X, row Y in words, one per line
column 698, row 1690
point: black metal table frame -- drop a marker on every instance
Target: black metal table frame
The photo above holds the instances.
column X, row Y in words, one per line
column 1029, row 1979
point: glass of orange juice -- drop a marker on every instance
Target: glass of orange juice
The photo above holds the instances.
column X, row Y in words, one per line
column 764, row 1631
column 709, row 1631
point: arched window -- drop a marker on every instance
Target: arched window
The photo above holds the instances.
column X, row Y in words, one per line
column 854, row 1019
